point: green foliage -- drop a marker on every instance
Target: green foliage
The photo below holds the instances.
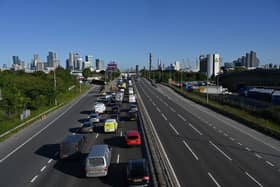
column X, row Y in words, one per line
column 22, row 90
column 163, row 76
column 87, row 72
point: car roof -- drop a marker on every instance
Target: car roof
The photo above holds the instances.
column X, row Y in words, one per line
column 133, row 133
column 110, row 120
column 73, row 138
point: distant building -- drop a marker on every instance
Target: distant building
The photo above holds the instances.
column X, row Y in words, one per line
column 137, row 70
column 175, row 66
column 16, row 60
column 112, row 66
column 228, row 65
column 52, row 60
column 88, row 62
column 249, row 61
column 210, row 65
column 99, row 64
column 40, row 66
column 70, row 62
column 17, row 64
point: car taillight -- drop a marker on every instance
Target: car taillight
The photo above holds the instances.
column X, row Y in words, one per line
column 106, row 168
column 146, row 178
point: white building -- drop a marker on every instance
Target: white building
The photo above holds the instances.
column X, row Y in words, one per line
column 210, row 65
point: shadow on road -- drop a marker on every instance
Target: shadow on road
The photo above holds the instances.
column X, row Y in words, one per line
column 87, row 112
column 74, row 167
column 49, row 151
column 116, row 141
column 116, row 176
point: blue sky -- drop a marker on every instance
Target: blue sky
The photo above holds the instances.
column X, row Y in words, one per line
column 127, row 30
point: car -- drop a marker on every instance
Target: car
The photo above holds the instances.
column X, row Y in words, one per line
column 86, row 127
column 119, row 97
column 116, row 109
column 131, row 106
column 99, row 107
column 94, row 117
column 111, row 125
column 138, row 173
column 115, row 116
column 131, row 99
column 133, row 138
column 132, row 114
column 71, row 146
column 98, row 161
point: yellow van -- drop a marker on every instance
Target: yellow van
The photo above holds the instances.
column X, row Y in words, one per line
column 110, row 125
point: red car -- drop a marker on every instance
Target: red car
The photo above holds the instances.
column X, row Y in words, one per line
column 133, row 138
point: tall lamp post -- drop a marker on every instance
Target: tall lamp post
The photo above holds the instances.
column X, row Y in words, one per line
column 54, row 86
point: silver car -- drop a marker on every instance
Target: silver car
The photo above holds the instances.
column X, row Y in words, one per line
column 98, row 161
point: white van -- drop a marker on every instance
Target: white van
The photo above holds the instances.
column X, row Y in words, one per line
column 131, row 99
column 98, row 161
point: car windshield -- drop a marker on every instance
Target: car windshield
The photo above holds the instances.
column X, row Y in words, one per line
column 96, row 162
column 137, row 170
column 132, row 137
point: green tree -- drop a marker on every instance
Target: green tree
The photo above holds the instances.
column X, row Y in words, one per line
column 87, row 73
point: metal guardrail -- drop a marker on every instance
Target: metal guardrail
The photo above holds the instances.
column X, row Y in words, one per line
column 164, row 173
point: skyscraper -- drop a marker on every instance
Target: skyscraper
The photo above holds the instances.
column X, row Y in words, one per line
column 210, row 65
column 52, row 60
column 99, row 64
column 16, row 60
column 35, row 61
column 70, row 62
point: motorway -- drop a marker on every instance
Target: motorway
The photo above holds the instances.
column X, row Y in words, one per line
column 30, row 158
column 206, row 148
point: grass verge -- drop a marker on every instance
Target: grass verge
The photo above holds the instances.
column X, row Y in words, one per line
column 8, row 124
column 266, row 126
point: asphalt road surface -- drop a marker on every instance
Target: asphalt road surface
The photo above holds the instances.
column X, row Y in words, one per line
column 30, row 158
column 206, row 148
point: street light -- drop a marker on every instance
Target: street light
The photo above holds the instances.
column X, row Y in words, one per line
column 54, row 85
column 207, row 88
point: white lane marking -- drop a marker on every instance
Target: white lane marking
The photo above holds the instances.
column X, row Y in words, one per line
column 200, row 133
column 239, row 143
column 220, row 150
column 166, row 103
column 173, row 128
column 225, row 134
column 34, row 178
column 121, row 133
column 248, row 149
column 257, row 182
column 257, row 155
column 164, row 116
column 158, row 109
column 96, row 136
column 232, row 139
column 172, row 109
column 180, row 116
column 50, row 160
column 188, row 147
column 43, row 168
column 213, row 179
column 36, row 134
column 154, row 103
column 118, row 158
column 269, row 163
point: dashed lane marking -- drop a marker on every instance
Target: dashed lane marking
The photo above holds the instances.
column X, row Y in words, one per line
column 34, row 178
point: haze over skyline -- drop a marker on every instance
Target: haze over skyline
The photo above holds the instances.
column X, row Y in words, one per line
column 126, row 31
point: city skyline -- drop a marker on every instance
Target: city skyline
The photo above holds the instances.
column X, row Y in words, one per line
column 128, row 31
